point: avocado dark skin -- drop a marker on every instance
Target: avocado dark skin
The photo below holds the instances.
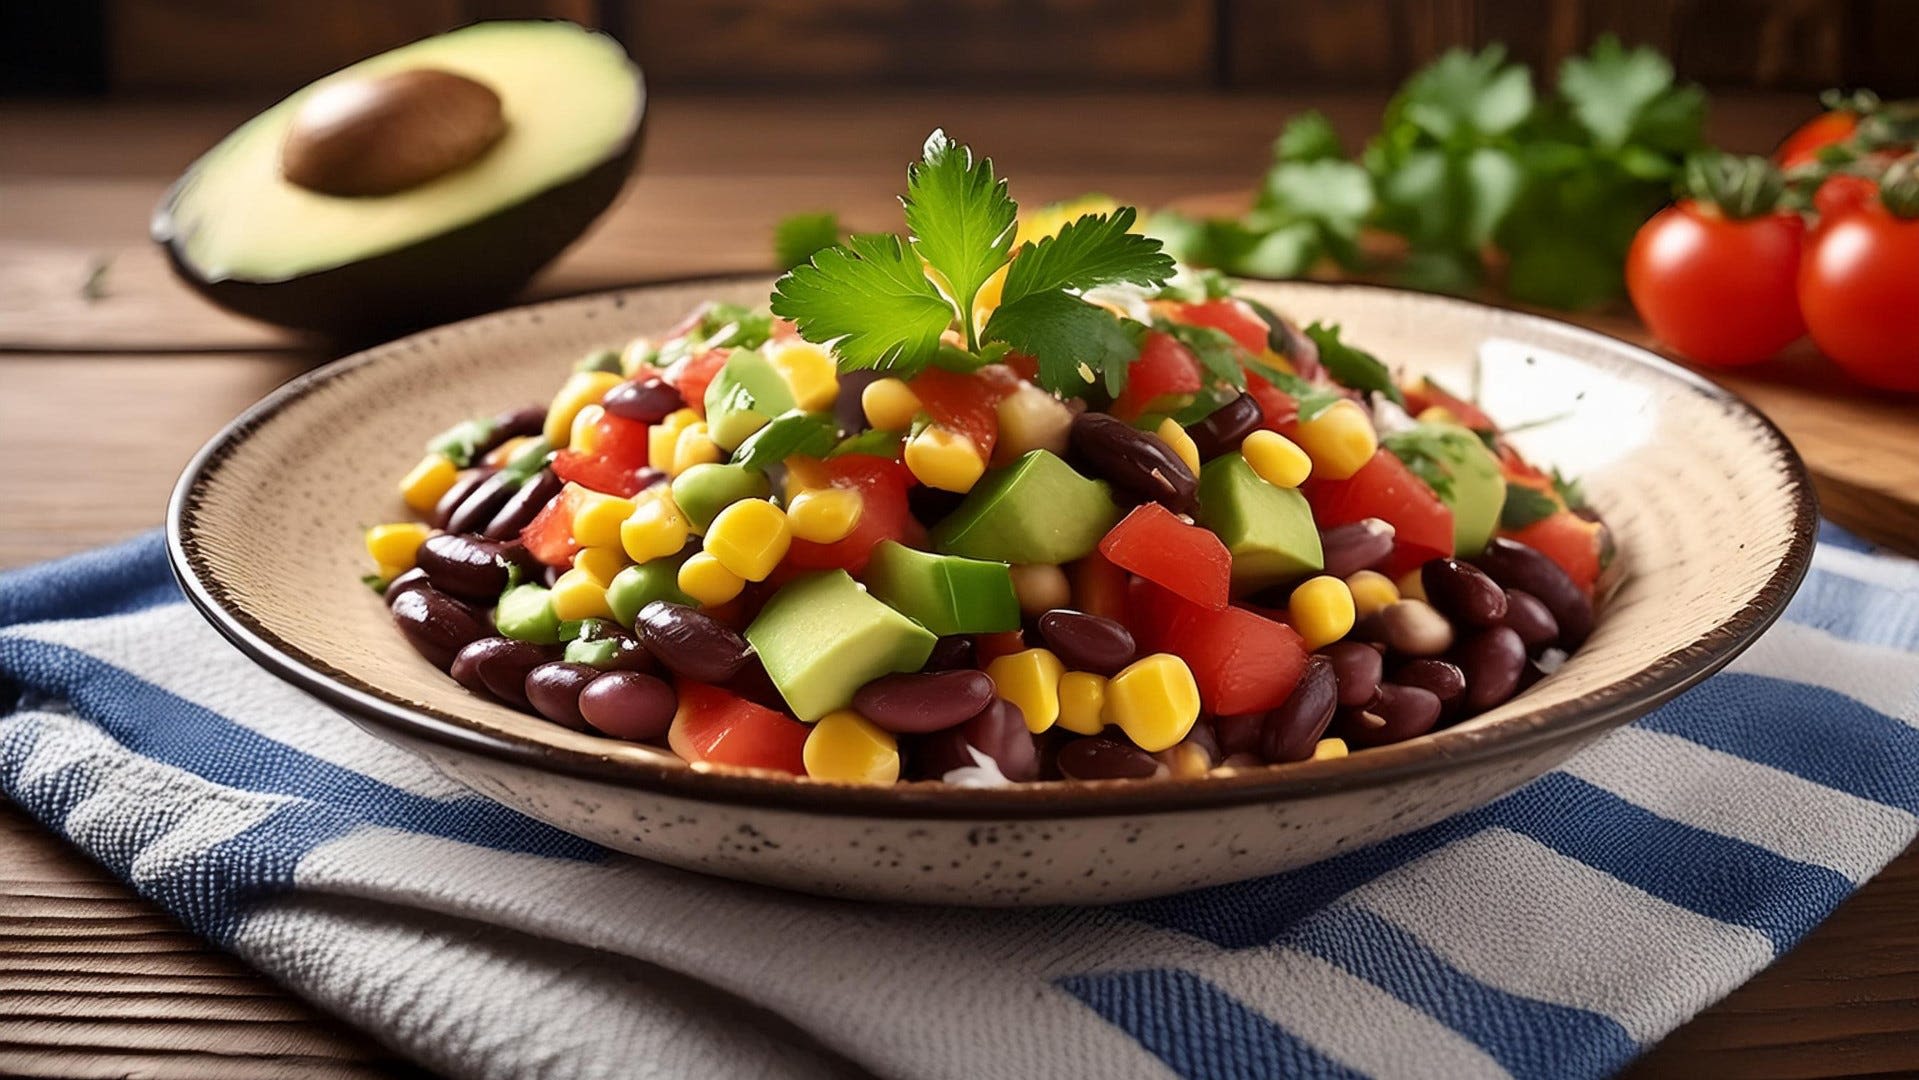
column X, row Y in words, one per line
column 474, row 268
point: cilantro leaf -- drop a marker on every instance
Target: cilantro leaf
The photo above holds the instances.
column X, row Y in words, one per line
column 1423, row 451
column 1308, row 137
column 798, row 236
column 1463, row 94
column 872, row 442
column 1311, row 398
column 1525, row 505
column 1337, row 195
column 1352, row 367
column 1609, row 89
column 1094, row 250
column 1569, row 491
column 871, row 300
column 961, row 218
column 792, row 432
column 461, row 442
column 733, row 325
column 1075, row 342
column 1218, row 353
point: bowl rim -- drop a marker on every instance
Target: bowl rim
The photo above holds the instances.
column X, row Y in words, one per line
column 1618, row 701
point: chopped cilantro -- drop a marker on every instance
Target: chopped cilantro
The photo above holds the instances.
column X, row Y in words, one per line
column 1423, row 451
column 1569, row 491
column 1525, row 505
column 1352, row 367
column 461, row 442
column 793, row 432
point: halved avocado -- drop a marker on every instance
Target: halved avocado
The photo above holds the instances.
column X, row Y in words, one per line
column 464, row 238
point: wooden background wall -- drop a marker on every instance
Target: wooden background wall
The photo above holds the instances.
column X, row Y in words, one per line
column 259, row 47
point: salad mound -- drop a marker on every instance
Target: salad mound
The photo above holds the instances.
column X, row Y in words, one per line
column 1004, row 499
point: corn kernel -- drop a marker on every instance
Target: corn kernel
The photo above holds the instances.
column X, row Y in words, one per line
column 597, row 518
column 396, row 546
column 1172, row 434
column 601, row 564
column 1322, row 610
column 1188, row 759
column 1437, row 414
column 1030, row 419
column 809, row 372
column 503, row 453
column 655, row 530
column 947, row 460
column 890, row 404
column 1340, row 440
column 824, row 515
column 1082, row 701
column 582, row 388
column 429, row 480
column 638, row 353
column 988, row 296
column 1371, row 591
column 848, row 747
column 1328, row 749
column 1277, row 362
column 749, row 538
column 1154, row 701
column 706, row 580
column 1412, row 586
column 1030, row 679
column 664, row 438
column 575, row 595
column 585, row 435
column 1041, row 587
column 1277, row 459
column 694, row 447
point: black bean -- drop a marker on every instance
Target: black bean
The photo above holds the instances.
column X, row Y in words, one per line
column 1462, row 592
column 463, row 485
column 629, row 705
column 919, row 703
column 1097, row 757
column 498, row 667
column 950, row 653
column 518, row 423
column 1357, row 669
column 412, row 579
column 471, row 567
column 1401, row 713
column 1134, row 461
column 691, row 644
column 1226, row 427
column 1492, row 661
column 437, row 625
column 1516, row 566
column 526, row 503
column 1356, row 546
column 1238, row 734
column 1293, row 728
column 1413, row 628
column 475, row 512
column 648, row 400
column 997, row 731
column 1530, row 619
column 1441, row 679
column 1088, row 642
column 554, row 691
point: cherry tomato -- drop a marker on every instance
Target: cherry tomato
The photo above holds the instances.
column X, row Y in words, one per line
column 1718, row 290
column 1859, row 288
column 1181, row 558
column 1804, row 144
column 1841, row 194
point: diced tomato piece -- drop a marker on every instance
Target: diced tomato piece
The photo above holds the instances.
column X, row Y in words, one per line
column 1386, row 489
column 1026, row 366
column 617, row 465
column 1099, row 587
column 781, row 330
column 1428, row 394
column 549, row 536
column 1242, row 661
column 1164, row 378
column 1280, row 407
column 962, row 403
column 1159, row 547
column 884, row 515
column 1520, row 471
column 1569, row 540
column 692, row 375
column 721, row 728
column 1240, row 322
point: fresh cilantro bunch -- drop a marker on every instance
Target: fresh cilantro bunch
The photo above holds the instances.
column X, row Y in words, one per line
column 883, row 301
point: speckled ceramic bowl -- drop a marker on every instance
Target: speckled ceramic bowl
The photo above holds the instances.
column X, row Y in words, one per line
column 1711, row 509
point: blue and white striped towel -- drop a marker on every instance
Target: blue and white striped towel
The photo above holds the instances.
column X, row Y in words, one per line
column 1551, row 934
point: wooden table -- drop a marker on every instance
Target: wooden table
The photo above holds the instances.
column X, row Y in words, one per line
column 106, row 389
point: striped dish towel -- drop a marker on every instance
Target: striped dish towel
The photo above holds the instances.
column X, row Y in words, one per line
column 1552, row 934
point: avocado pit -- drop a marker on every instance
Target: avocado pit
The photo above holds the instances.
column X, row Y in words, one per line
column 390, row 133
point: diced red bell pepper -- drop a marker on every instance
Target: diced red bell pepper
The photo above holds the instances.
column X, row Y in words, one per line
column 1386, row 489
column 1427, row 394
column 1162, row 380
column 1240, row 322
column 549, row 536
column 1281, row 409
column 1242, row 661
column 963, row 403
column 617, row 464
column 691, row 376
column 884, row 515
column 715, row 726
column 1186, row 559
column 1577, row 545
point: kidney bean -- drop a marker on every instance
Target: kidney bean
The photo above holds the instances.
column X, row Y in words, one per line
column 475, row 512
column 1356, row 546
column 1462, row 592
column 1400, row 713
column 1357, row 669
column 498, row 667
column 1088, row 642
column 998, row 731
column 1530, row 619
column 629, row 705
column 1226, row 427
column 1134, row 461
column 1413, row 628
column 1516, row 566
column 691, row 644
column 1492, row 660
column 1096, row 757
column 1238, row 734
column 471, row 567
column 553, row 689
column 1441, row 679
column 1201, row 735
column 1292, row 729
column 649, row 400
column 412, row 579
column 847, row 410
column 950, row 653
column 919, row 703
column 519, row 510
column 463, row 485
column 514, row 424
column 437, row 625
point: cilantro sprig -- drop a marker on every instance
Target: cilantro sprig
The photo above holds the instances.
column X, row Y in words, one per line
column 882, row 301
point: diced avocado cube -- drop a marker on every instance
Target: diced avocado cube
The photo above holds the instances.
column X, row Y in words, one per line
column 704, row 490
column 1477, row 492
column 1036, row 510
column 944, row 593
column 637, row 586
column 823, row 636
column 747, row 393
column 1269, row 530
column 526, row 612
column 598, row 652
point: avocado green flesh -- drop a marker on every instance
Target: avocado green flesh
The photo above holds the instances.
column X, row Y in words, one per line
column 944, row 593
column 526, row 612
column 823, row 636
column 1269, row 530
column 637, row 586
column 746, row 394
column 1478, row 490
column 1036, row 510
column 572, row 101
